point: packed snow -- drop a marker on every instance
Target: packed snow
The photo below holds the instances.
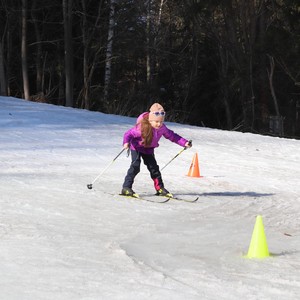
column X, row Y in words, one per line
column 60, row 240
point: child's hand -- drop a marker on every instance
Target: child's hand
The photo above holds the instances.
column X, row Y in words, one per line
column 188, row 144
column 126, row 146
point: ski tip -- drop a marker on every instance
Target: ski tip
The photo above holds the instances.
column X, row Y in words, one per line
column 166, row 200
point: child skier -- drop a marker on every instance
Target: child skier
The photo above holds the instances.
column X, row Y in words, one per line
column 142, row 139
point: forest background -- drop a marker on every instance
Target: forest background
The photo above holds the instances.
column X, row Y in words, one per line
column 227, row 64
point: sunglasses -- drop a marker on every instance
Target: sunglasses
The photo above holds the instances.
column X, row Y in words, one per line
column 159, row 113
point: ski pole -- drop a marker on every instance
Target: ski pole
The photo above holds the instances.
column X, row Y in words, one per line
column 90, row 186
column 190, row 143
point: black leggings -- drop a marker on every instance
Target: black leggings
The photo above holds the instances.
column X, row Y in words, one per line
column 134, row 169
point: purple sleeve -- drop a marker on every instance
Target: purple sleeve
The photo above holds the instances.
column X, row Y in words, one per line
column 174, row 137
column 127, row 136
column 130, row 134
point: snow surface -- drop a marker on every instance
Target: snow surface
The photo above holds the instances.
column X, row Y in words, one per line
column 60, row 240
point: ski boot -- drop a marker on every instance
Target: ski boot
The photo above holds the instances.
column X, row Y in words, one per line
column 129, row 192
column 163, row 192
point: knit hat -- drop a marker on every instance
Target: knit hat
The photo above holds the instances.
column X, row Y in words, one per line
column 157, row 113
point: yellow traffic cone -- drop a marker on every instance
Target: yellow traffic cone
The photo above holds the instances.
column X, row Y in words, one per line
column 258, row 246
column 194, row 170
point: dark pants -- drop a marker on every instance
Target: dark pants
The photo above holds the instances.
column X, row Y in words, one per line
column 134, row 169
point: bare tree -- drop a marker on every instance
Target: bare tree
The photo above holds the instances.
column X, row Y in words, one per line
column 109, row 54
column 67, row 13
column 3, row 89
column 148, row 39
column 153, row 24
column 271, row 75
column 85, row 103
column 24, row 51
column 90, row 53
column 38, row 61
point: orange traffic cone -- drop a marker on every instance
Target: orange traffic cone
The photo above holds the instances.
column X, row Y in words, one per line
column 194, row 168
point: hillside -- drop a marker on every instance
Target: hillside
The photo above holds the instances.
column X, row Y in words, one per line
column 60, row 240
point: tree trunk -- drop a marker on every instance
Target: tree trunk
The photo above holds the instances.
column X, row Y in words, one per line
column 148, row 34
column 24, row 51
column 223, row 71
column 67, row 12
column 263, row 80
column 107, row 76
column 3, row 88
column 85, row 91
column 38, row 60
column 153, row 59
column 270, row 75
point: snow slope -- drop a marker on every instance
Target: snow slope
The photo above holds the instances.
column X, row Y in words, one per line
column 60, row 240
